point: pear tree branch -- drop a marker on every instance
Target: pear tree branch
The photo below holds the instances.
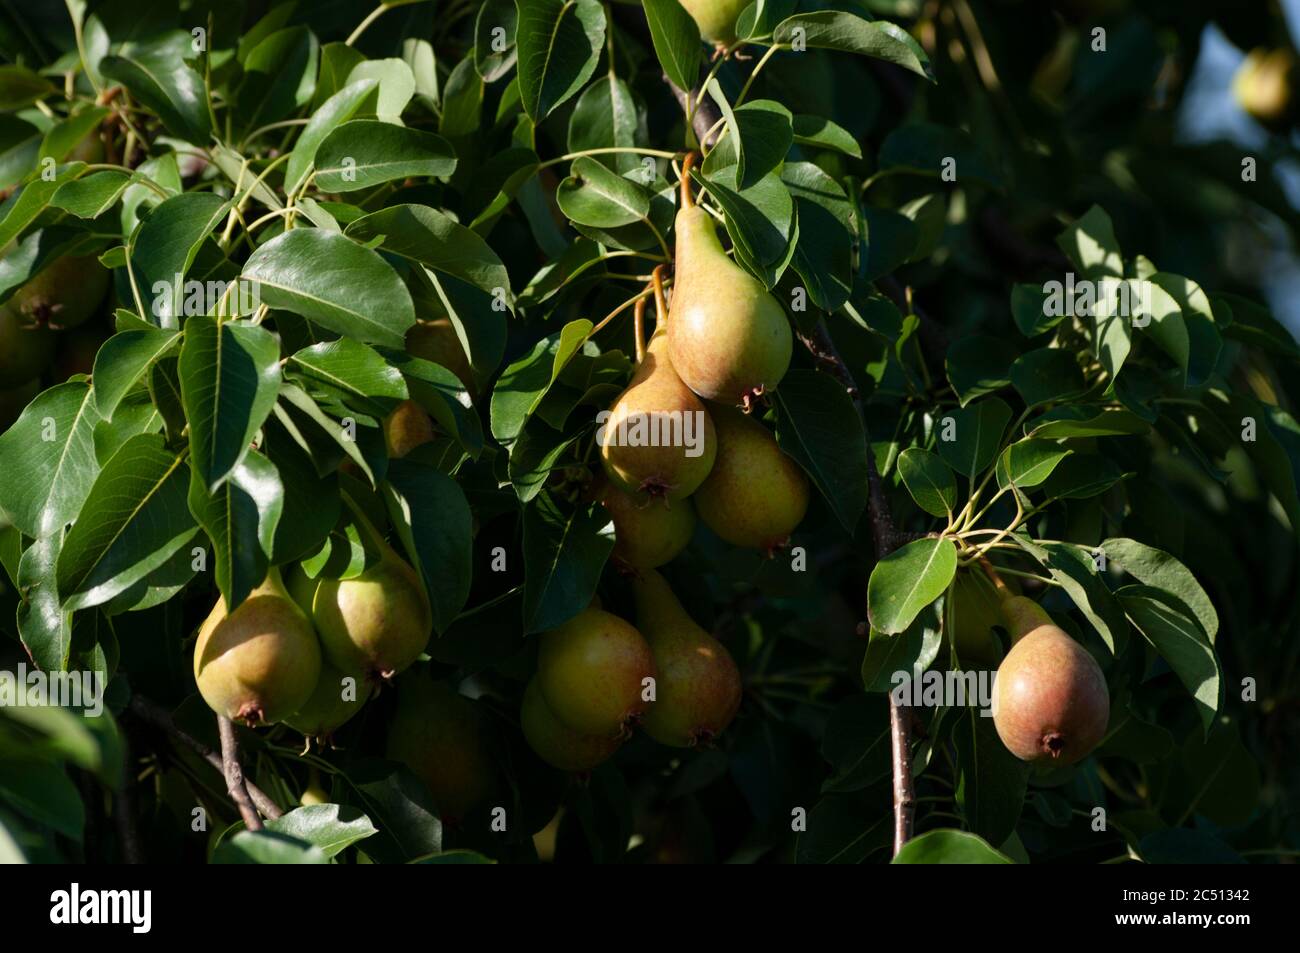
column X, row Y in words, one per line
column 235, row 774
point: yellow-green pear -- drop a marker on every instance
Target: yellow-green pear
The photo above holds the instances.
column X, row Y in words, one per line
column 336, row 698
column 728, row 338
column 1265, row 86
column 657, row 441
column 756, row 495
column 556, row 743
column 647, row 533
column 63, row 294
column 407, row 427
column 716, row 18
column 26, row 348
column 698, row 689
column 435, row 340
column 260, row 663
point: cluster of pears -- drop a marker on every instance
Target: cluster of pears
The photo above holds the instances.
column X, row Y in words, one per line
column 44, row 326
column 722, row 342
column 598, row 676
column 312, row 652
column 1050, row 701
column 1265, row 86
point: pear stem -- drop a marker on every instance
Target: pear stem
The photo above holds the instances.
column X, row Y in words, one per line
column 688, row 200
column 1004, row 591
column 638, row 328
column 661, row 306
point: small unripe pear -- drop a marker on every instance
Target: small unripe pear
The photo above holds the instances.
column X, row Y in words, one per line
column 648, row 533
column 442, row 737
column 407, row 427
column 698, row 689
column 591, row 671
column 436, row 340
column 756, row 495
column 26, row 348
column 716, row 18
column 332, row 704
column 378, row 622
column 64, row 294
column 1050, row 701
column 260, row 663
column 1265, row 86
column 557, row 744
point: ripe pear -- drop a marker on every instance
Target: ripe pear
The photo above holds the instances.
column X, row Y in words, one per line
column 406, row 428
column 26, row 348
column 756, row 495
column 659, row 440
column 14, row 400
column 728, row 339
column 260, row 663
column 1264, row 86
column 377, row 622
column 443, row 738
column 697, row 691
column 332, row 703
column 647, row 533
column 591, row 669
column 557, row 744
column 716, row 18
column 64, row 294
column 1050, row 701
column 436, row 340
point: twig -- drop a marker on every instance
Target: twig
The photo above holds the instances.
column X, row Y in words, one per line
column 124, row 807
column 235, row 774
column 706, row 119
column 157, row 716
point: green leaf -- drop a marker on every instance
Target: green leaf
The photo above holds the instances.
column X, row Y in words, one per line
column 21, row 87
column 455, row 857
column 949, row 847
column 1178, row 637
column 22, row 208
column 842, row 829
column 764, row 128
column 931, row 149
column 760, row 219
column 92, row 195
column 434, row 522
column 969, row 438
column 1090, row 243
column 978, row 364
column 43, row 791
column 490, row 62
column 230, row 374
column 267, row 847
column 856, row 744
column 819, row 132
column 330, row 827
column 912, row 652
column 335, row 111
column 1074, row 569
column 1159, row 570
column 523, row 384
column 165, row 246
column 929, row 480
column 1029, row 462
column 823, row 256
column 240, row 517
column 44, row 626
column 362, row 153
column 47, row 459
column 606, row 117
column 559, row 43
column 1196, row 317
column 124, row 362
column 594, row 195
column 157, row 75
column 564, row 553
column 991, row 781
column 1082, row 475
column 908, row 580
column 134, row 520
column 676, row 40
column 396, row 86
column 65, row 136
column 1046, row 375
column 833, row 30
column 333, row 281
column 279, row 77
column 1086, row 421
column 820, row 428
column 355, row 371
column 1032, row 310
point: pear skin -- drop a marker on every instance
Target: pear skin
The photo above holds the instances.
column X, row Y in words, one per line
column 26, row 348
column 698, row 689
column 436, row 340
column 443, row 738
column 378, row 622
column 1265, row 86
column 756, row 494
column 591, row 670
column 64, row 294
column 647, row 533
column 557, row 744
column 261, row 663
column 716, row 18
column 728, row 339
column 657, row 408
column 406, row 428
column 332, row 704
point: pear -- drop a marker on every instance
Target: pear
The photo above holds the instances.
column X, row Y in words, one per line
column 260, row 663
column 697, row 691
column 377, row 622
column 442, row 737
column 436, row 340
column 406, row 428
column 332, row 703
column 64, row 294
column 756, row 495
column 716, row 18
column 26, row 348
column 314, row 792
column 554, row 742
column 647, row 533
column 658, row 441
column 1050, row 701
column 728, row 339
column 591, row 672
column 1264, row 86
column 14, row 400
